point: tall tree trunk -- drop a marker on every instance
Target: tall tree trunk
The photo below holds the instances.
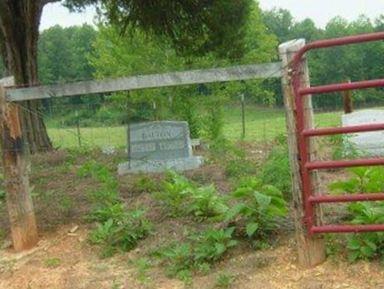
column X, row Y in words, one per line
column 19, row 29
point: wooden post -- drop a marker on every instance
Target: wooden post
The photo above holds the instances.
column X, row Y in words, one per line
column 311, row 249
column 243, row 115
column 347, row 100
column 16, row 180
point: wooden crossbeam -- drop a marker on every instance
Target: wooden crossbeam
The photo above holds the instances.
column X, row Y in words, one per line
column 235, row 73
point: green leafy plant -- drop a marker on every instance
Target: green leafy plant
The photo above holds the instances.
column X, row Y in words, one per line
column 205, row 202
column 99, row 172
column 198, row 253
column 276, row 170
column 224, row 280
column 364, row 180
column 257, row 206
column 122, row 233
column 144, row 184
column 118, row 229
column 181, row 197
column 343, row 148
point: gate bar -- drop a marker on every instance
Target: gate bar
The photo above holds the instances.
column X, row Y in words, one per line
column 342, row 130
column 347, row 228
column 337, row 42
column 342, row 87
column 323, row 165
column 346, row 198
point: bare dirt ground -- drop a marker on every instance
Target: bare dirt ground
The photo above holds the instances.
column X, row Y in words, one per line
column 65, row 261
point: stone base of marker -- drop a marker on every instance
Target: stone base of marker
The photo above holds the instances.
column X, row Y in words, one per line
column 157, row 166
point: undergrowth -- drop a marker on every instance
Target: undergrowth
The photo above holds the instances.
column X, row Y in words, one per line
column 364, row 180
column 118, row 229
column 276, row 170
column 197, row 254
column 181, row 197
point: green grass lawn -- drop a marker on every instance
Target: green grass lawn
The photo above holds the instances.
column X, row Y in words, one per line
column 262, row 124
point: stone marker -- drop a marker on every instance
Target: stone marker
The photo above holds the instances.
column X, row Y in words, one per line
column 159, row 146
column 371, row 143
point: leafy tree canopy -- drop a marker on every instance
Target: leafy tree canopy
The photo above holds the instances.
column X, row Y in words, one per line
column 194, row 26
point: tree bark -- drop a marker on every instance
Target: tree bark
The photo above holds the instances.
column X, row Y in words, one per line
column 19, row 29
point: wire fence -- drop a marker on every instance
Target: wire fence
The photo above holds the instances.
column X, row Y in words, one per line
column 102, row 124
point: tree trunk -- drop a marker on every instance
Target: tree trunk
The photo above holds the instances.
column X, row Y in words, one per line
column 19, row 29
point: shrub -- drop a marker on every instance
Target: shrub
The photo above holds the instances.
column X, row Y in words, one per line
column 257, row 206
column 364, row 180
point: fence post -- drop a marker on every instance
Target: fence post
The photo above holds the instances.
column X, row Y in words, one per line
column 16, row 167
column 311, row 249
column 243, row 115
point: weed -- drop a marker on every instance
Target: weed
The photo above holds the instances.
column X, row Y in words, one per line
column 122, row 233
column 52, row 262
column 143, row 265
column 343, row 148
column 257, row 206
column 198, row 253
column 99, row 172
column 276, row 170
column 174, row 192
column 144, row 184
column 239, row 167
column 368, row 180
column 181, row 198
column 118, row 229
column 224, row 281
column 2, row 236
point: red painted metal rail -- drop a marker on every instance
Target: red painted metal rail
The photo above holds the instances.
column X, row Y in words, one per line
column 304, row 133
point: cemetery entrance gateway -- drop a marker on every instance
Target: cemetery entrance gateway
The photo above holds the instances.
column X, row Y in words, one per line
column 304, row 133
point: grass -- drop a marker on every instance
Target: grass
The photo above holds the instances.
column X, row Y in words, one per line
column 262, row 124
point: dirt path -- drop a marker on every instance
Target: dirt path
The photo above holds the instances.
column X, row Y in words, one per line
column 66, row 261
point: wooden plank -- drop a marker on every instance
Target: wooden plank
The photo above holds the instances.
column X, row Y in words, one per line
column 311, row 248
column 16, row 166
column 244, row 72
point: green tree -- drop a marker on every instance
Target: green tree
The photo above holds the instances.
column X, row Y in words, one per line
column 71, row 46
column 143, row 53
column 279, row 22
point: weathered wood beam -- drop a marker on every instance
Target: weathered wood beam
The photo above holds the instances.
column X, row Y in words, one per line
column 244, row 72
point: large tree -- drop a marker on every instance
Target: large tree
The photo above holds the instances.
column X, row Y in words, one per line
column 193, row 26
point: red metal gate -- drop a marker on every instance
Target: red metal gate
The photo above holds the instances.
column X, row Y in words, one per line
column 303, row 135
